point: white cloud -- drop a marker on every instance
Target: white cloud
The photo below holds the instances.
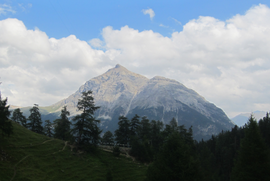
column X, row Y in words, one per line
column 96, row 42
column 5, row 8
column 227, row 62
column 150, row 12
column 41, row 69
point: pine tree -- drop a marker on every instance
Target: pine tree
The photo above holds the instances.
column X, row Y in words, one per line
column 48, row 128
column 35, row 123
column 108, row 138
column 175, row 161
column 86, row 130
column 156, row 136
column 62, row 125
column 253, row 159
column 18, row 117
column 122, row 134
column 145, row 129
column 173, row 124
column 5, row 124
column 134, row 125
column 264, row 125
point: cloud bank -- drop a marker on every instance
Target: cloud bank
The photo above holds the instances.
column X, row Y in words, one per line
column 227, row 62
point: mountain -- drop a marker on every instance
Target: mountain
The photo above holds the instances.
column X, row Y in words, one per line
column 122, row 92
column 242, row 118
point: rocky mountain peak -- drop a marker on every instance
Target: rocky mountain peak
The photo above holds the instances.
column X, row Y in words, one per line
column 122, row 92
column 119, row 66
column 120, row 73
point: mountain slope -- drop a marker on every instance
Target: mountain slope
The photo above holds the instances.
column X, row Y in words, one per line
column 26, row 155
column 122, row 92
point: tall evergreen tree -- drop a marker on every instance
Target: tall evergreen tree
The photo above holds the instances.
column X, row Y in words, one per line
column 62, row 125
column 145, row 129
column 175, row 161
column 264, row 125
column 253, row 159
column 108, row 138
column 48, row 128
column 173, row 124
column 156, row 136
column 18, row 117
column 134, row 125
column 35, row 123
column 122, row 134
column 86, row 130
column 6, row 127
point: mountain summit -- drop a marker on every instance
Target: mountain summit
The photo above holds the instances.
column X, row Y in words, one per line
column 122, row 92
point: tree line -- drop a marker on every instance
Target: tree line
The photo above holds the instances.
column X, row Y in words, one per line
column 84, row 131
column 239, row 154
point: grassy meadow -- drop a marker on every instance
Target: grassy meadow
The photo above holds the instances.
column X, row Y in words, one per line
column 28, row 156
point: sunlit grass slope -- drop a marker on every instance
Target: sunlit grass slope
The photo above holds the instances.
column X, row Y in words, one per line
column 30, row 156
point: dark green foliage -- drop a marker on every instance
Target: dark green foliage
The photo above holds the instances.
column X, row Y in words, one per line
column 122, row 134
column 18, row 117
column 62, row 125
column 167, row 131
column 207, row 161
column 35, row 123
column 253, row 159
column 217, row 154
column 141, row 150
column 86, row 130
column 108, row 138
column 156, row 135
column 116, row 151
column 264, row 125
column 134, row 125
column 175, row 161
column 145, row 129
column 48, row 128
column 6, row 127
column 173, row 124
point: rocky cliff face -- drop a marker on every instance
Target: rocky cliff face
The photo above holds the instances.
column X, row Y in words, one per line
column 121, row 92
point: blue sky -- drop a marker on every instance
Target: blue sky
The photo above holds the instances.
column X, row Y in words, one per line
column 48, row 49
column 86, row 19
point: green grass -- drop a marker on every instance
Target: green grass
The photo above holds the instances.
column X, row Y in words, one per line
column 31, row 156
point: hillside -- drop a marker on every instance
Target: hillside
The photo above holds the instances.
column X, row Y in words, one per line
column 26, row 155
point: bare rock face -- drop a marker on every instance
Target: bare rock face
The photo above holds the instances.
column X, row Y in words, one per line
column 121, row 92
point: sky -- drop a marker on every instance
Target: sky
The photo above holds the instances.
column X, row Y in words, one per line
column 220, row 49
